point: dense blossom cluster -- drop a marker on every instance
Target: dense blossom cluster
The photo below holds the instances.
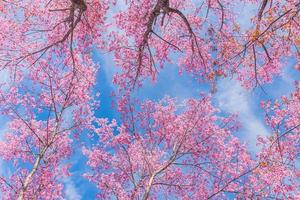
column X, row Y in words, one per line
column 191, row 154
column 280, row 151
column 163, row 149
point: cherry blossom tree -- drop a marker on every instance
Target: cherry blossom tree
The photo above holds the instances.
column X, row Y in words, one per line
column 208, row 48
column 189, row 152
column 42, row 107
column 280, row 151
column 188, row 155
column 160, row 149
column 48, row 96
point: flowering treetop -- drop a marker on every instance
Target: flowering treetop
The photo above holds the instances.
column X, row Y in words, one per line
column 160, row 148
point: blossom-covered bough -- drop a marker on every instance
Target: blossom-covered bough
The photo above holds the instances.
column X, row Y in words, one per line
column 189, row 152
column 164, row 149
column 50, row 70
column 190, row 155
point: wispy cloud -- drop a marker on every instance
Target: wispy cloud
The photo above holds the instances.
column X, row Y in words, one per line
column 4, row 79
column 233, row 98
column 71, row 192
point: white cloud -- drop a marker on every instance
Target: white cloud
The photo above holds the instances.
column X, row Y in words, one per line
column 233, row 98
column 245, row 11
column 4, row 79
column 67, row 116
column 109, row 67
column 289, row 75
column 3, row 127
column 71, row 191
